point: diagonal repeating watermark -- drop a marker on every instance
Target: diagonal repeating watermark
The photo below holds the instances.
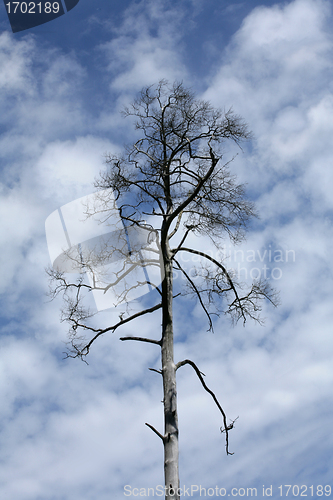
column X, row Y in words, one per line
column 117, row 260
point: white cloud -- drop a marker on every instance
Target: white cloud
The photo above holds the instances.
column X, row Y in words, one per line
column 66, row 169
column 147, row 46
column 276, row 74
column 15, row 62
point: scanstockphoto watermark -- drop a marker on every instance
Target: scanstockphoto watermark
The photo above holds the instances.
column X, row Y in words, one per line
column 189, row 491
column 255, row 264
column 283, row 490
column 265, row 263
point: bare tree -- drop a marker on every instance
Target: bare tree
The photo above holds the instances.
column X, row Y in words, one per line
column 171, row 184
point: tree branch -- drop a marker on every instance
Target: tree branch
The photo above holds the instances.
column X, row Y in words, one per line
column 177, row 226
column 154, row 370
column 219, row 265
column 142, row 339
column 156, row 431
column 85, row 350
column 196, row 190
column 226, row 428
column 211, row 328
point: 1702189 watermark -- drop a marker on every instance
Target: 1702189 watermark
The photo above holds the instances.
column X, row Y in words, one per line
column 218, row 491
column 25, row 15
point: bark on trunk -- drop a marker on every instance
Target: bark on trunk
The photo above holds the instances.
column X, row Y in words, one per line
column 171, row 453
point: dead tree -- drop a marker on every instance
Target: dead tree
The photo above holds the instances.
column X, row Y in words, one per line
column 171, row 184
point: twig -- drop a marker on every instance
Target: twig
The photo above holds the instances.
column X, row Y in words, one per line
column 156, row 431
column 142, row 339
column 154, row 370
column 211, row 327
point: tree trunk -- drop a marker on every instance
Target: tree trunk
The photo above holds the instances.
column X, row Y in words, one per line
column 171, row 474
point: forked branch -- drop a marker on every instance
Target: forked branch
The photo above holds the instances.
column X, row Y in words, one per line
column 84, row 350
column 241, row 306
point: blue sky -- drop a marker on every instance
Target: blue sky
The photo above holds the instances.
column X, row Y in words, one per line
column 69, row 431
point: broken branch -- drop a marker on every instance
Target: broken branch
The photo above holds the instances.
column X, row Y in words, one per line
column 226, row 427
column 156, row 431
